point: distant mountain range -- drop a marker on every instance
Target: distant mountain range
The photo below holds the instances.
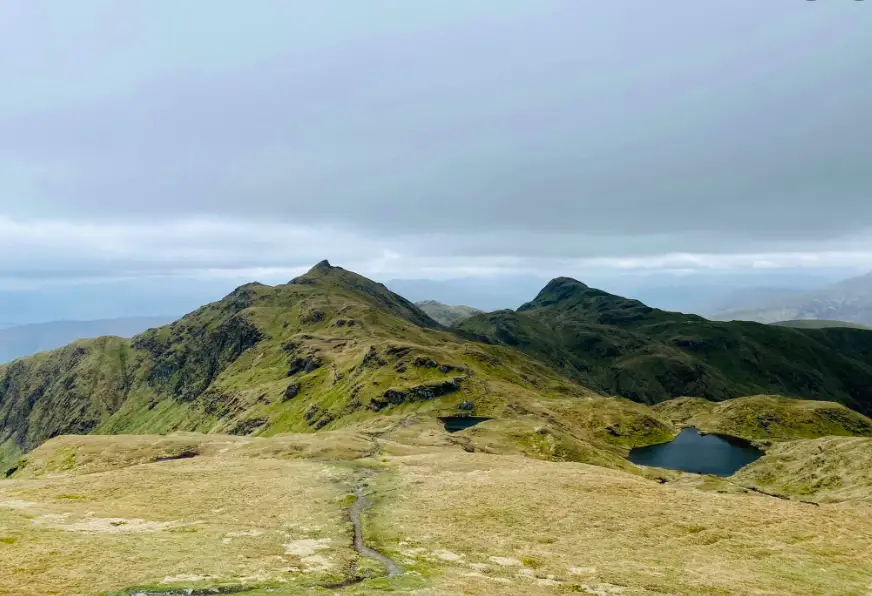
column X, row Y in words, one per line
column 849, row 301
column 819, row 324
column 447, row 314
column 24, row 340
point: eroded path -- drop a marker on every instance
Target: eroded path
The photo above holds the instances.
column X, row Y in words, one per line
column 360, row 505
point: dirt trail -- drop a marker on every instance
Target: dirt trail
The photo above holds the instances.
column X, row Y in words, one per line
column 360, row 505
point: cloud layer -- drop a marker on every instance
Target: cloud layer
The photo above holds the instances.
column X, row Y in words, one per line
column 434, row 139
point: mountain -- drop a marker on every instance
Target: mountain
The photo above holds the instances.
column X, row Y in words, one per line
column 447, row 314
column 623, row 347
column 328, row 349
column 332, row 348
column 24, row 340
column 485, row 293
column 819, row 324
column 849, row 300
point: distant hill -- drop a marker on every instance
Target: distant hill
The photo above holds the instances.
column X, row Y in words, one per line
column 849, row 300
column 623, row 347
column 485, row 293
column 24, row 340
column 447, row 314
column 819, row 324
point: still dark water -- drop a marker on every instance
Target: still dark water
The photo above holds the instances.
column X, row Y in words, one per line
column 700, row 454
column 456, row 423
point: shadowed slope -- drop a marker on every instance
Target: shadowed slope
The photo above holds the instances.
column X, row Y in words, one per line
column 624, row 347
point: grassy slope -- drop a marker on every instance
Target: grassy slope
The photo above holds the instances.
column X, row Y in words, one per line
column 767, row 418
column 91, row 515
column 623, row 347
column 486, row 525
column 827, row 469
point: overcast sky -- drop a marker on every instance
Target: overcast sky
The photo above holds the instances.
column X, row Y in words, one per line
column 226, row 139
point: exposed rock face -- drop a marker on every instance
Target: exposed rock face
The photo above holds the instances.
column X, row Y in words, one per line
column 186, row 373
column 417, row 393
column 249, row 426
column 317, row 417
column 305, row 364
column 371, row 358
column 311, row 317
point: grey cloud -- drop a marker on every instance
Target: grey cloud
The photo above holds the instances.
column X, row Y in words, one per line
column 469, row 131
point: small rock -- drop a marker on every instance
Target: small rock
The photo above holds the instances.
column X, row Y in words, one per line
column 292, row 391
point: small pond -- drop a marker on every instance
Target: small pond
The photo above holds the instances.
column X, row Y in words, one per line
column 700, row 454
column 456, row 423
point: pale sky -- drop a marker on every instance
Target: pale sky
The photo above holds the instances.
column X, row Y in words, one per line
column 222, row 139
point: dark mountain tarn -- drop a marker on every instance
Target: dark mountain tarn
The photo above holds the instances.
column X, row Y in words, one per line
column 455, row 424
column 699, row 454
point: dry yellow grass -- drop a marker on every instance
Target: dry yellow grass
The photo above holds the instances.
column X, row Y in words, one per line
column 250, row 511
column 175, row 524
column 829, row 469
column 495, row 524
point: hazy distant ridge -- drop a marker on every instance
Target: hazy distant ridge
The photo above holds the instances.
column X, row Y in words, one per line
column 24, row 340
column 849, row 300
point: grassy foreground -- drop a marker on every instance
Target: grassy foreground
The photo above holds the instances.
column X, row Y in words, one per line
column 148, row 514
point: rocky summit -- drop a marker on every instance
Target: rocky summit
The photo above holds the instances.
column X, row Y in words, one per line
column 327, row 435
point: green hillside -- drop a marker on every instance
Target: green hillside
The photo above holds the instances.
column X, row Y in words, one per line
column 623, row 347
column 766, row 417
column 328, row 349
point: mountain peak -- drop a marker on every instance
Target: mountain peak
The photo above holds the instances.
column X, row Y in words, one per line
column 564, row 282
column 556, row 290
column 329, row 278
column 322, row 266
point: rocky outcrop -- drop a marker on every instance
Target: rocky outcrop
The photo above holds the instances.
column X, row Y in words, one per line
column 424, row 392
column 188, row 358
column 292, row 391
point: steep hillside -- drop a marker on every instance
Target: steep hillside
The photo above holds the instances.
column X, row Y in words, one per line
column 24, row 340
column 624, row 347
column 849, row 300
column 447, row 314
